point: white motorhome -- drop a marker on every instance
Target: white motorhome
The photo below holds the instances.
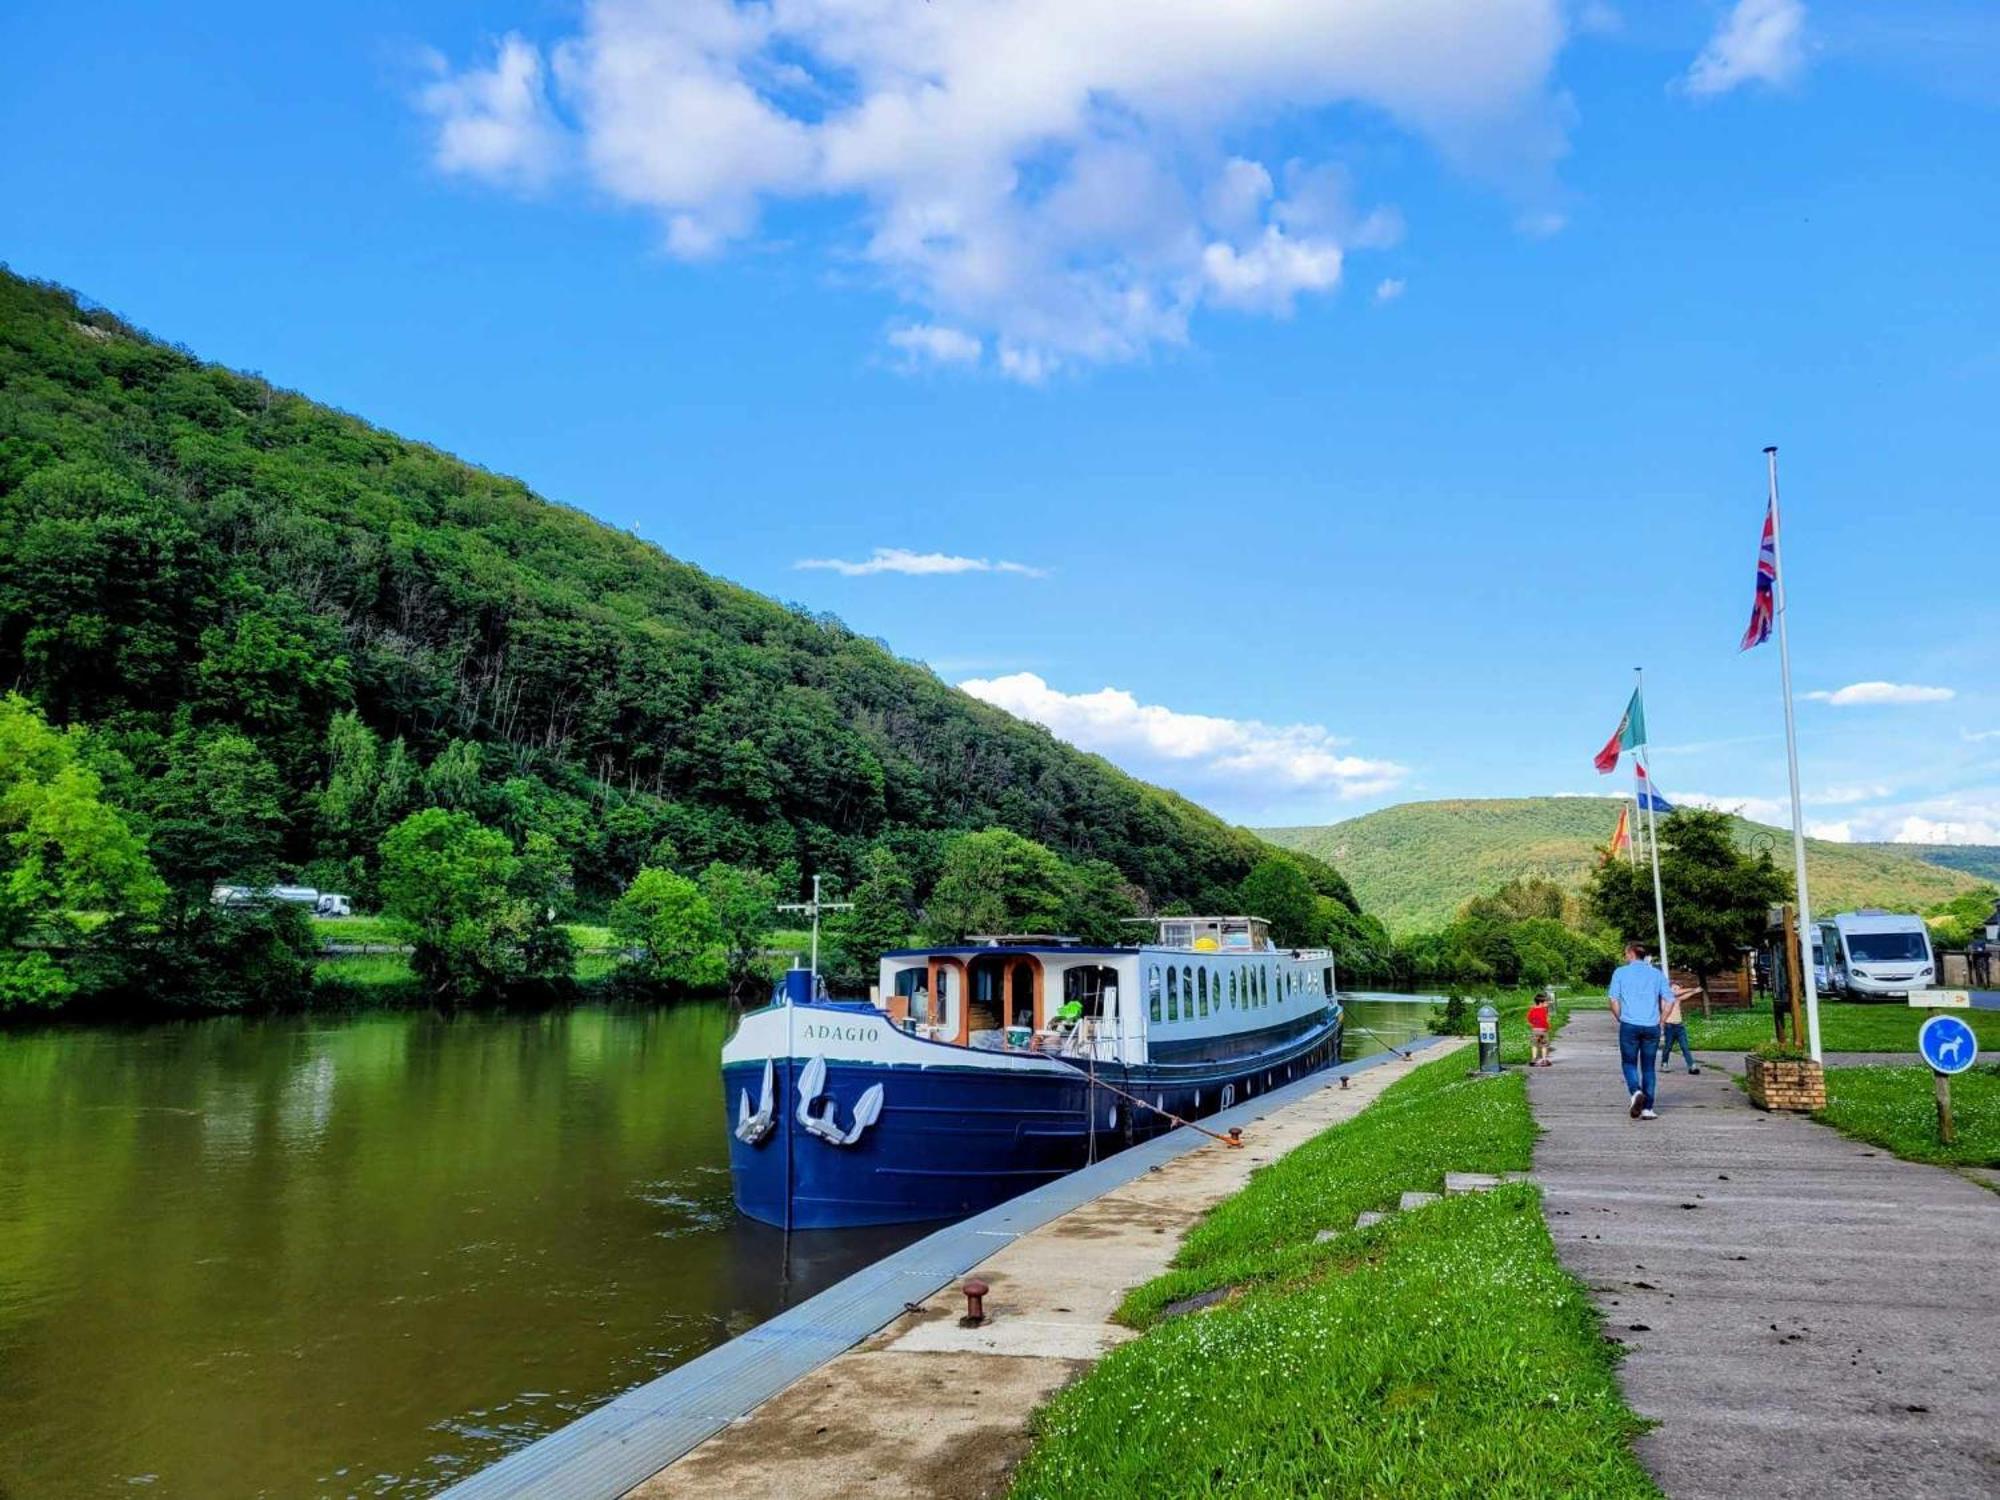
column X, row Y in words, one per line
column 1874, row 954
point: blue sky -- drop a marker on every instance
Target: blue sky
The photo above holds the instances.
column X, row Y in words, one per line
column 1362, row 389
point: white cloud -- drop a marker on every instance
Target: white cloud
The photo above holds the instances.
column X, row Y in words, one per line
column 496, row 122
column 1874, row 693
column 1238, row 756
column 1759, row 41
column 934, row 344
column 1050, row 177
column 1388, row 289
column 1756, row 809
column 1268, row 275
column 1959, row 818
column 1978, row 736
column 902, row 560
column 1917, row 828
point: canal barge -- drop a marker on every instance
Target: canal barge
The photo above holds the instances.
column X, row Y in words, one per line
column 978, row 1071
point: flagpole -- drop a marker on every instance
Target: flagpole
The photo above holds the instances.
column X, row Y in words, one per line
column 1653, row 842
column 1792, row 765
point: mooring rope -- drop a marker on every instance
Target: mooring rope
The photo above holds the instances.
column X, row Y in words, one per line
column 1090, row 1076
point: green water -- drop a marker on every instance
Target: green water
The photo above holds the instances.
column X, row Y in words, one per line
column 365, row 1256
column 362, row 1256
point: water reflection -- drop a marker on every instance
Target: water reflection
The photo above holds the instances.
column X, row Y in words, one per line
column 288, row 1257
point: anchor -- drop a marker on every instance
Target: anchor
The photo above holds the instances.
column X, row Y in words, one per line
column 867, row 1109
column 753, row 1129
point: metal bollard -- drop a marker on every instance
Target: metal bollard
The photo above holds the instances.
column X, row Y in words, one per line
column 1489, row 1039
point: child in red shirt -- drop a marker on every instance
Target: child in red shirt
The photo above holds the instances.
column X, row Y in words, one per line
column 1538, row 1031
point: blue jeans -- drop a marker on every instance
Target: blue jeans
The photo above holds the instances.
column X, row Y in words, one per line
column 1672, row 1033
column 1638, row 1048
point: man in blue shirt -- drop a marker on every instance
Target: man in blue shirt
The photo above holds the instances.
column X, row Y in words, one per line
column 1638, row 993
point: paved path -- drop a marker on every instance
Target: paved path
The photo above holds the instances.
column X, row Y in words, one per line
column 1803, row 1314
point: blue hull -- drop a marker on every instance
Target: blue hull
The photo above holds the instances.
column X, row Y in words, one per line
column 953, row 1141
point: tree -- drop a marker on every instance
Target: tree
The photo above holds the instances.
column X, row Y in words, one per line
column 1717, row 898
column 1100, row 905
column 218, row 814
column 64, row 853
column 450, row 883
column 1278, row 890
column 745, row 906
column 544, row 884
column 881, row 917
column 670, row 922
column 996, row 881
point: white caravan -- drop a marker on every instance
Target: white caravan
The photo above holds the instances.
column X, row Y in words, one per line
column 1879, row 954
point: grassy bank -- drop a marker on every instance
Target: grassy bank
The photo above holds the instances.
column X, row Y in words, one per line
column 1513, row 1007
column 1895, row 1108
column 1843, row 1027
column 1442, row 1351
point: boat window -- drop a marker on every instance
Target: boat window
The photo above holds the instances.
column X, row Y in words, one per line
column 913, row 984
column 1327, row 974
column 1232, row 989
column 1153, row 994
column 1187, row 988
column 1201, row 986
column 1173, row 993
column 1091, row 986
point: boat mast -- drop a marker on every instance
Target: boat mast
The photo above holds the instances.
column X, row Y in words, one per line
column 813, row 908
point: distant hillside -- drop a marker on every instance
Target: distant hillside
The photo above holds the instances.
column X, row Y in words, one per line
column 222, row 576
column 1415, row 864
column 1982, row 861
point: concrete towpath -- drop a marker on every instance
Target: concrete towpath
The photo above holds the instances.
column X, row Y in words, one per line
column 1802, row 1313
column 927, row 1408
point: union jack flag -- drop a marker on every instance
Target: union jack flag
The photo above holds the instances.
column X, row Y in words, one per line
column 1763, row 608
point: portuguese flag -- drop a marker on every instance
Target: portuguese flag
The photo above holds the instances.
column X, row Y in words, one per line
column 1629, row 735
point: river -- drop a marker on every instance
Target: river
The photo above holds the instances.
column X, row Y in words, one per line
column 367, row 1255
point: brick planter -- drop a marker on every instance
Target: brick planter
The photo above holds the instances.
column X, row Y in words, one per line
column 1799, row 1086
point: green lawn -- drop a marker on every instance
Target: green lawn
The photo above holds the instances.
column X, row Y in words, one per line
column 355, row 930
column 1895, row 1108
column 1441, row 1352
column 380, row 929
column 1843, row 1027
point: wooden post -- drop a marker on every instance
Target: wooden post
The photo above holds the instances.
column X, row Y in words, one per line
column 1945, row 1131
column 1792, row 962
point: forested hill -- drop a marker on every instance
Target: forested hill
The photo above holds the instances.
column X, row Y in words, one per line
column 192, row 559
column 1414, row 865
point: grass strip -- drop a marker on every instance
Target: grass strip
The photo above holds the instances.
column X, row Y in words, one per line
column 1843, row 1027
column 1436, row 1120
column 1442, row 1352
column 1896, row 1108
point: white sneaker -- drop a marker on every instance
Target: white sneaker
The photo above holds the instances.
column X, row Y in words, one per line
column 1647, row 1114
column 1638, row 1103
